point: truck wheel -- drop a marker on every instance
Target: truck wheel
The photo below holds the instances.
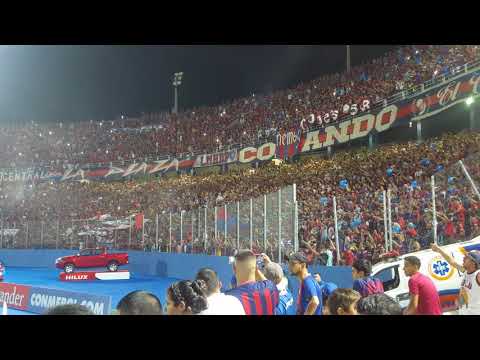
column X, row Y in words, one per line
column 113, row 266
column 69, row 268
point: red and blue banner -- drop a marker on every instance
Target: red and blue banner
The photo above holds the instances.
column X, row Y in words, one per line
column 287, row 144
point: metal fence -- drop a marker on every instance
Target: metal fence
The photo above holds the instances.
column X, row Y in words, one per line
column 444, row 209
column 264, row 224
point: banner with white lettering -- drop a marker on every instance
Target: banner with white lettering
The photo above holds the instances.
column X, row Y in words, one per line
column 42, row 299
column 38, row 300
column 220, row 158
column 25, row 175
column 289, row 143
column 418, row 107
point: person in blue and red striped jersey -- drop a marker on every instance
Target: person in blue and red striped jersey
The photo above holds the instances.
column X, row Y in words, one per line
column 362, row 281
column 309, row 300
column 258, row 295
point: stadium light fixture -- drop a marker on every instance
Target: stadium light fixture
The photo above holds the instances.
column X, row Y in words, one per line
column 469, row 101
column 177, row 81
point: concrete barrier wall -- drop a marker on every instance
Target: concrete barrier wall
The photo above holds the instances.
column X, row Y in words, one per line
column 32, row 258
column 178, row 266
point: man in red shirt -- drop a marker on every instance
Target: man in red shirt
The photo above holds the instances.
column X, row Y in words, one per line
column 424, row 299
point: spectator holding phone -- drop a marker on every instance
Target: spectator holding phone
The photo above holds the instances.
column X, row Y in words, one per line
column 258, row 295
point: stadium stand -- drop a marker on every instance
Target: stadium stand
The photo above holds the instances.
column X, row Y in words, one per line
column 367, row 172
column 243, row 121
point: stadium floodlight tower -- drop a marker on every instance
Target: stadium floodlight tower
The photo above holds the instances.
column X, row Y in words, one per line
column 177, row 81
column 348, row 58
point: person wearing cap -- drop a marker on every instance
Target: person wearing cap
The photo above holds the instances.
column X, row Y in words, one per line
column 469, row 297
column 411, row 230
column 274, row 273
column 309, row 300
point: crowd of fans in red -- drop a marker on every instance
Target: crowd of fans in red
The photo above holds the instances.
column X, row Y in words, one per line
column 242, row 121
column 357, row 178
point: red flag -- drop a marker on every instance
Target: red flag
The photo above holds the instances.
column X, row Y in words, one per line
column 221, row 213
column 139, row 221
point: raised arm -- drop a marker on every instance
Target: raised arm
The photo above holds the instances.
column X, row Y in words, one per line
column 448, row 258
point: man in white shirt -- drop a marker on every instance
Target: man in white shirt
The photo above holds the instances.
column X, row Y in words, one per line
column 218, row 303
column 469, row 297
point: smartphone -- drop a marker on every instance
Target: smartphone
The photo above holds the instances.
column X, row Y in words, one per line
column 260, row 261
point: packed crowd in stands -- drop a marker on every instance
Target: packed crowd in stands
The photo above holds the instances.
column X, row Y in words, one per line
column 357, row 178
column 242, row 121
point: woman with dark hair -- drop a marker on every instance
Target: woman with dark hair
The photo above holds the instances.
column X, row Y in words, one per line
column 187, row 298
column 378, row 304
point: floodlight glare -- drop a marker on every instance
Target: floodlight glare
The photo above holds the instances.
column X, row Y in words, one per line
column 469, row 101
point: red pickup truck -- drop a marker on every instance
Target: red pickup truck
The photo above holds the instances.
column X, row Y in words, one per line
column 90, row 258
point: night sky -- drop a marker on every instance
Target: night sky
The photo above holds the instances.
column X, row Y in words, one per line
column 74, row 83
